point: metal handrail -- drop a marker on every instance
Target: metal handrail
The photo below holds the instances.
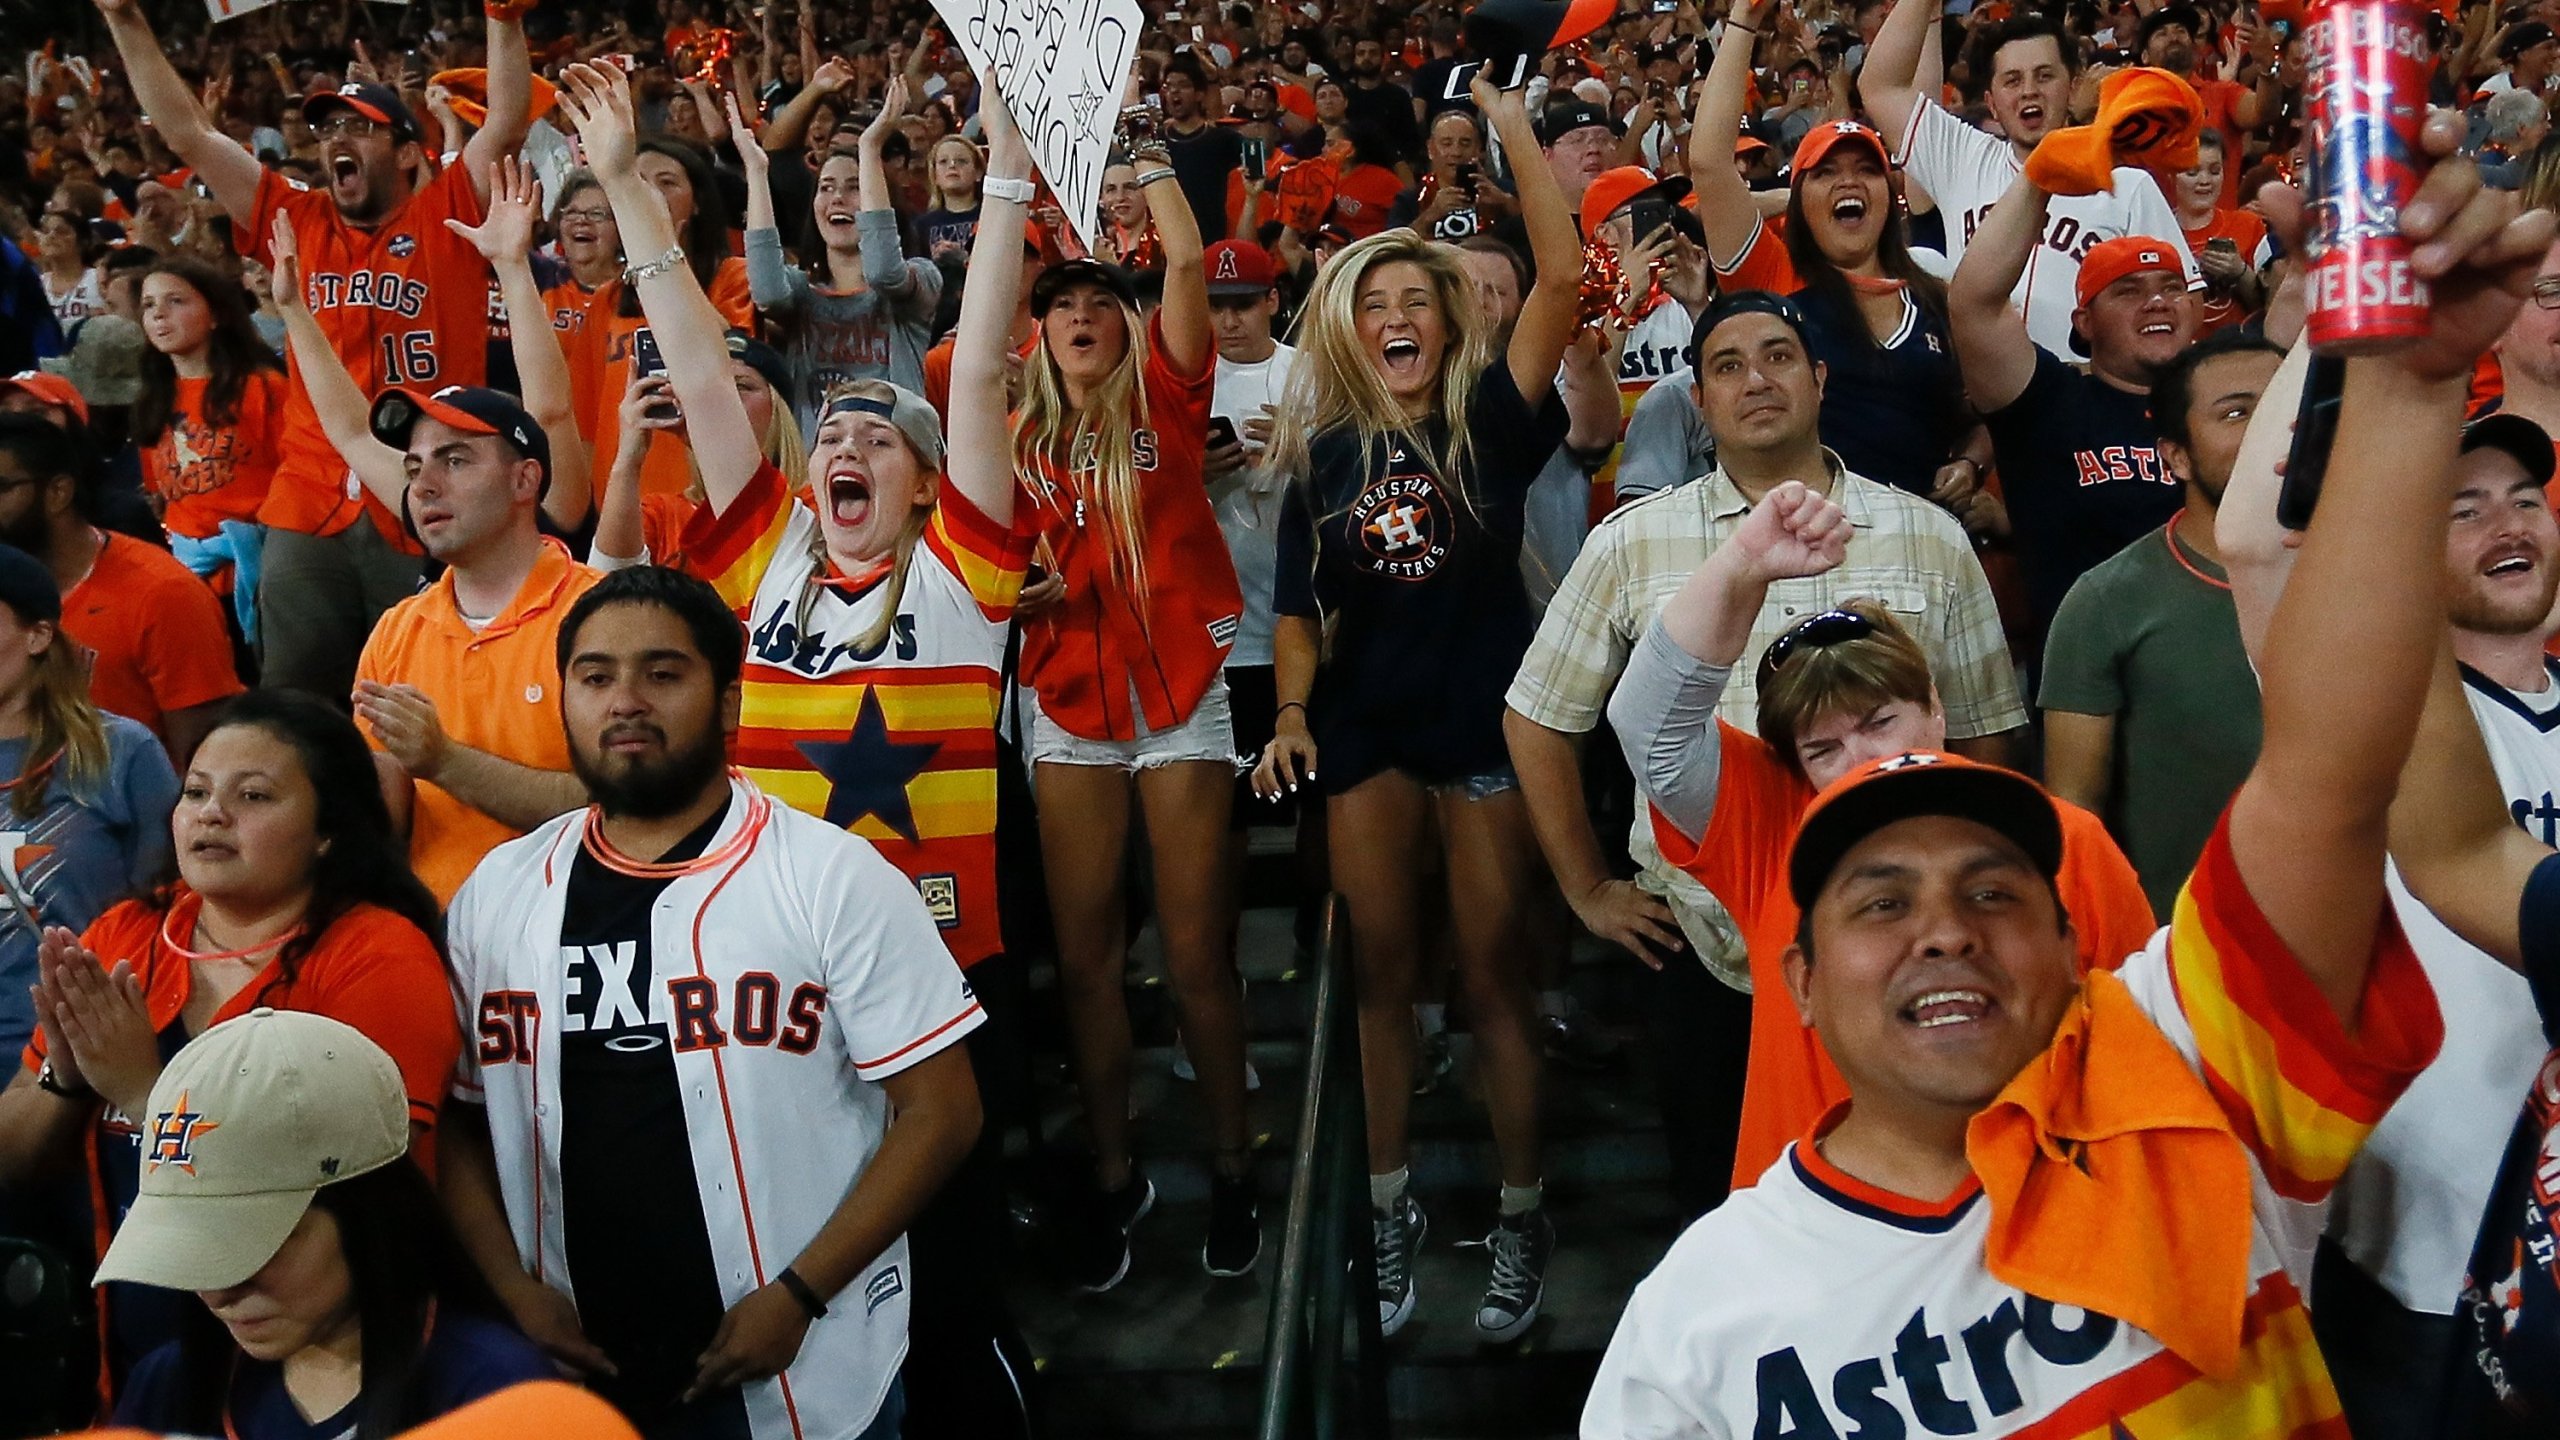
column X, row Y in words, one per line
column 1326, row 1275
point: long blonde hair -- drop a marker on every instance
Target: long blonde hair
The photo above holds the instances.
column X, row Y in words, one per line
column 1100, row 440
column 63, row 722
column 1339, row 387
column 781, row 443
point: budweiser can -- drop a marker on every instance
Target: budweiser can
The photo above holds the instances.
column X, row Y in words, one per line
column 2366, row 84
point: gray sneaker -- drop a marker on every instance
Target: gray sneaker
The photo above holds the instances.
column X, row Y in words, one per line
column 1521, row 1245
column 1396, row 1237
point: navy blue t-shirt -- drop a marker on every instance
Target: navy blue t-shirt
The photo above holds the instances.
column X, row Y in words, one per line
column 467, row 1358
column 1421, row 580
column 1891, row 412
column 2506, row 1353
column 2082, row 477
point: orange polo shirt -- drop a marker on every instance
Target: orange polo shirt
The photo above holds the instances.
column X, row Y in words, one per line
column 1742, row 860
column 496, row 689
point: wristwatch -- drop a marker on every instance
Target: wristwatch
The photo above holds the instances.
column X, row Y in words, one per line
column 51, row 1084
column 1002, row 187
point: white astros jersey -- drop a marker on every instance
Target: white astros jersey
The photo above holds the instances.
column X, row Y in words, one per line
column 2411, row 1204
column 802, row 971
column 1967, row 170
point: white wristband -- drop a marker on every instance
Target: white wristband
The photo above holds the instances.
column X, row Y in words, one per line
column 999, row 187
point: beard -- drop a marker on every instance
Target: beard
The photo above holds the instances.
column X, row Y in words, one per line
column 2468, row 609
column 651, row 788
column 31, row 532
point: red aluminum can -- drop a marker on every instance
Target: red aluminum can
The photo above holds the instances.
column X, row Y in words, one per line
column 2366, row 84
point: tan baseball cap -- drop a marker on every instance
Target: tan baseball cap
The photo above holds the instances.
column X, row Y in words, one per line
column 247, row 1121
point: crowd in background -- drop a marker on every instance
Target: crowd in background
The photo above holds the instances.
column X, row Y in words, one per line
column 610, row 607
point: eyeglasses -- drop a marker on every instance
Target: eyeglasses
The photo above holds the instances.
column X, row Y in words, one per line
column 593, row 217
column 352, row 127
column 2546, row 292
column 1814, row 632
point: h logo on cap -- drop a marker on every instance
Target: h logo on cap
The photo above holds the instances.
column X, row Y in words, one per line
column 174, row 1134
column 1908, row 760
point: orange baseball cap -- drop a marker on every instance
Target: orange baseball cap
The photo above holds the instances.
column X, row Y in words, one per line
column 1916, row 783
column 1822, row 139
column 1748, row 145
column 2111, row 260
column 470, row 91
column 1613, row 189
column 553, row 1409
column 54, row 390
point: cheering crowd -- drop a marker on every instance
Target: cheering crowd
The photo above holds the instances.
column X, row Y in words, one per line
column 605, row 608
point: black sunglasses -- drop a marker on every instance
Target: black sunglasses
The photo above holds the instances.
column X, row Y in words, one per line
column 1817, row 632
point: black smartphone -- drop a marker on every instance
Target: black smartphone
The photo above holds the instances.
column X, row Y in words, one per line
column 1257, row 157
column 2315, row 430
column 1665, row 7
column 1033, row 574
column 1466, row 177
column 1648, row 215
column 1222, row 431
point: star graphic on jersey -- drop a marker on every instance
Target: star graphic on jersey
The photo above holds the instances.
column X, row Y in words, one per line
column 869, row 771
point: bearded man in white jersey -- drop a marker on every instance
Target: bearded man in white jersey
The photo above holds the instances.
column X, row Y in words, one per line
column 2029, row 62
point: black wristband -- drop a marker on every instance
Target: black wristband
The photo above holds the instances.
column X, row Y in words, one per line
column 50, row 1084
column 800, row 1290
column 1288, row 705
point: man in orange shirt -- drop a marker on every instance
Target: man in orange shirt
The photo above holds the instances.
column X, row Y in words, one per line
column 2171, row 36
column 160, row 654
column 403, row 300
column 1842, row 688
column 459, row 686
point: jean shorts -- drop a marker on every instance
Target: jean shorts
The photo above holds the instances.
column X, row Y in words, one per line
column 1484, row 785
column 1207, row 733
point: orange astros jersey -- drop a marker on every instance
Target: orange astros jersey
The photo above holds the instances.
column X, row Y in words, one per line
column 404, row 302
column 897, row 745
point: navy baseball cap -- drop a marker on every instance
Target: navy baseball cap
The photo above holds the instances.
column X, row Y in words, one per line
column 1570, row 114
column 762, row 359
column 472, row 411
column 1730, row 303
column 1054, row 281
column 27, row 587
column 2515, row 437
column 378, row 103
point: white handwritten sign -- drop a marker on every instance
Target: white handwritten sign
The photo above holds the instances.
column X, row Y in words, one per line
column 1062, row 66
column 232, row 9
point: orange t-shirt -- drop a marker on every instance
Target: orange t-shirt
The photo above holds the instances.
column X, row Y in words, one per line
column 155, row 633
column 567, row 302
column 2219, row 96
column 1363, row 197
column 603, row 352
column 204, row 473
column 2244, row 230
column 405, row 302
column 1742, row 860
column 495, row 690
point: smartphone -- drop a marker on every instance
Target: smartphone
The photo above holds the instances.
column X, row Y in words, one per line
column 1649, row 214
column 1466, row 177
column 1665, row 7
column 1462, row 76
column 2315, row 430
column 2223, row 245
column 1222, row 431
column 1256, row 159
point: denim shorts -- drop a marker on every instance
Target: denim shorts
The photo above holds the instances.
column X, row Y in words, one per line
column 1207, row 733
column 1483, row 785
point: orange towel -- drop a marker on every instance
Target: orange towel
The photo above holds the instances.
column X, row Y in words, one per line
column 2117, row 1184
column 2145, row 117
column 470, row 90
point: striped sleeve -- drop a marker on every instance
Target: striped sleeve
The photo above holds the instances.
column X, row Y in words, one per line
column 731, row 548
column 2300, row 1091
column 989, row 558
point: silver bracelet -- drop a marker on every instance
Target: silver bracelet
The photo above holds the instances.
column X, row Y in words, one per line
column 664, row 264
column 1004, row 187
column 1161, row 172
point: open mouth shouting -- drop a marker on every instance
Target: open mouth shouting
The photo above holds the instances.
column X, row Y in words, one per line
column 1849, row 211
column 848, row 497
column 346, row 172
column 2031, row 117
column 1401, row 359
column 2511, row 563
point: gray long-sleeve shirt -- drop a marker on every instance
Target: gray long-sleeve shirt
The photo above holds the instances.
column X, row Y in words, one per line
column 879, row 332
column 1664, row 713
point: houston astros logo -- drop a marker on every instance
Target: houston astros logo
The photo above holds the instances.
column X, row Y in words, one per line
column 1403, row 524
column 174, row 1133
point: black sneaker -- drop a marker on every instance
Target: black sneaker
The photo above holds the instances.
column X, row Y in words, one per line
column 1098, row 1256
column 1235, row 1227
column 1520, row 1245
column 1432, row 1062
column 1395, row 1238
column 1575, row 1043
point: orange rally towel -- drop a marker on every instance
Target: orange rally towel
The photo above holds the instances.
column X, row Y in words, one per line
column 2146, row 117
column 2117, row 1184
column 470, row 91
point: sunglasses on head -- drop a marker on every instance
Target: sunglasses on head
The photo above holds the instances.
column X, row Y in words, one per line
column 1814, row 632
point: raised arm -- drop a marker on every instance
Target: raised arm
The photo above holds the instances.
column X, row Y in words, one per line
column 510, row 99
column 2341, row 702
column 1889, row 81
column 1725, row 206
column 505, row 240
column 1992, row 344
column 691, row 335
column 1184, row 318
column 222, row 163
column 2459, row 851
column 2257, row 553
column 981, row 458
column 756, row 163
column 792, row 121
column 344, row 409
column 1550, row 312
column 884, row 257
